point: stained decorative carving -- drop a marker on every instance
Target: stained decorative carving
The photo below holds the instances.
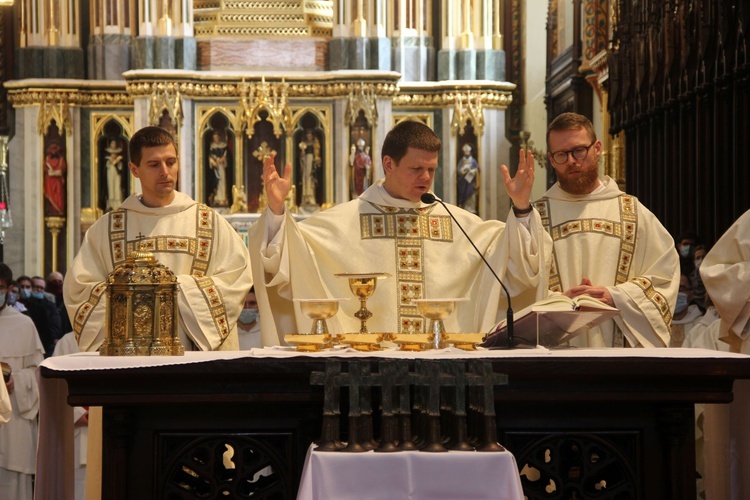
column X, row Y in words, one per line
column 467, row 107
column 54, row 109
column 229, row 466
column 487, row 99
column 363, row 100
column 577, row 465
column 165, row 97
column 78, row 97
column 269, row 99
column 229, row 89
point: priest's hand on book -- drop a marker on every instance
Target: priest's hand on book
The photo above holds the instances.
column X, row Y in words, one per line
column 277, row 187
column 586, row 288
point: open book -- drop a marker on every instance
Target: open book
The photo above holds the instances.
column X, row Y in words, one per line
column 554, row 320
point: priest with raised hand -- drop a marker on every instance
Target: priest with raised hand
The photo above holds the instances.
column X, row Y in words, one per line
column 388, row 229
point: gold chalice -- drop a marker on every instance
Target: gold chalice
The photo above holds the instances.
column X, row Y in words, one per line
column 318, row 310
column 363, row 286
column 436, row 310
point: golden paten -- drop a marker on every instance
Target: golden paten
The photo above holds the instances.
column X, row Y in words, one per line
column 141, row 309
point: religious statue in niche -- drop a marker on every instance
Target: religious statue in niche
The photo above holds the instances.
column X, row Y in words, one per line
column 114, row 166
column 55, row 170
column 467, row 172
column 310, row 162
column 219, row 171
column 361, row 167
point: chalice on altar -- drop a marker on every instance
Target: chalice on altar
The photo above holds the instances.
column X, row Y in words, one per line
column 436, row 310
column 363, row 286
column 318, row 310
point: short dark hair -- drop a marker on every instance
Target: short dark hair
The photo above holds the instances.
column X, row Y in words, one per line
column 23, row 277
column 409, row 134
column 689, row 235
column 6, row 275
column 571, row 121
column 149, row 137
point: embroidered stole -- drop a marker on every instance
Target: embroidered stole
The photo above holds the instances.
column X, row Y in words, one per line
column 408, row 228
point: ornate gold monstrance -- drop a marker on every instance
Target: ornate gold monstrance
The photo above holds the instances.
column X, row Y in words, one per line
column 141, row 309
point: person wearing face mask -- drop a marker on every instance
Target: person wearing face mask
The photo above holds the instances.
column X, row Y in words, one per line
column 686, row 243
column 248, row 326
column 55, row 287
column 13, row 295
column 22, row 350
column 686, row 314
column 42, row 312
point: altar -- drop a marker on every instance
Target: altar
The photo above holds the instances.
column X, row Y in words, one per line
column 615, row 421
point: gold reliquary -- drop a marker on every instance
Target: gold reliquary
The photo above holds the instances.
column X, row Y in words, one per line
column 141, row 309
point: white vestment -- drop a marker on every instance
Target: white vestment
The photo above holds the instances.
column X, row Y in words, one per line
column 418, row 245
column 6, row 409
column 681, row 327
column 196, row 243
column 726, row 275
column 68, row 345
column 21, row 348
column 610, row 238
column 249, row 338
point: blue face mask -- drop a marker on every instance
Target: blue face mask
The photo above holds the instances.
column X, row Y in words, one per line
column 685, row 251
column 25, row 293
column 2, row 299
column 37, row 295
column 12, row 298
column 682, row 303
column 247, row 316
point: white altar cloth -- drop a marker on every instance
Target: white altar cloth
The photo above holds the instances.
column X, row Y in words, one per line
column 414, row 475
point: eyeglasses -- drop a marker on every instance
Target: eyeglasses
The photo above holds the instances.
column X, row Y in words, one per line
column 579, row 153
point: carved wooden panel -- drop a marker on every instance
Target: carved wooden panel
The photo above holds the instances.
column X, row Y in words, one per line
column 679, row 91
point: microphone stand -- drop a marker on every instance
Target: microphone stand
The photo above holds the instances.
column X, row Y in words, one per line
column 429, row 198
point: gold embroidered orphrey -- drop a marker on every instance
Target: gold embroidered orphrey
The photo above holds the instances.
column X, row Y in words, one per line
column 198, row 247
column 409, row 228
column 625, row 229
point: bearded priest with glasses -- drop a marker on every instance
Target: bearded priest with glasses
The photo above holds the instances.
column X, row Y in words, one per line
column 605, row 243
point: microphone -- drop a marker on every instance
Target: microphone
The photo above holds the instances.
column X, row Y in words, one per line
column 429, row 198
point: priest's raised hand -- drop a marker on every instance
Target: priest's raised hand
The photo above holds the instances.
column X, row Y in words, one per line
column 277, row 186
column 519, row 187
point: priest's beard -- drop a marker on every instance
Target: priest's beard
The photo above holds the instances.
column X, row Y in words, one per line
column 582, row 184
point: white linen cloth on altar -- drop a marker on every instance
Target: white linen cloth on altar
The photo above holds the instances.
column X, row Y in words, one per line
column 410, row 474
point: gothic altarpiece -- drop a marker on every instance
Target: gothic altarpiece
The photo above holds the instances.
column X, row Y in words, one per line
column 320, row 98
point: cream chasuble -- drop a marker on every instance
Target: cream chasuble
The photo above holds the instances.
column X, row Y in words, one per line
column 21, row 348
column 726, row 275
column 612, row 239
column 418, row 244
column 195, row 242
